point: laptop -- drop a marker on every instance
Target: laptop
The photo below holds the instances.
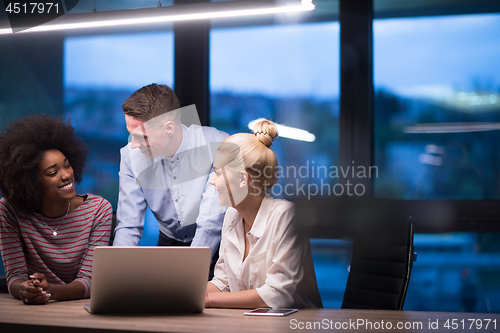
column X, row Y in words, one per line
column 149, row 279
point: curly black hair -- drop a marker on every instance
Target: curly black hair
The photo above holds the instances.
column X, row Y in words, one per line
column 22, row 146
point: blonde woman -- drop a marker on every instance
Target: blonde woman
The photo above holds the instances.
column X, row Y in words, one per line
column 262, row 260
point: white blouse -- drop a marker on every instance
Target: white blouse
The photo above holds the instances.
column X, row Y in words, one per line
column 279, row 264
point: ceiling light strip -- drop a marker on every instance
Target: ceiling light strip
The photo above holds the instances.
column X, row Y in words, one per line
column 289, row 132
column 166, row 14
column 451, row 128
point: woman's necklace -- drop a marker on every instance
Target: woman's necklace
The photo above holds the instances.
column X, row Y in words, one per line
column 54, row 232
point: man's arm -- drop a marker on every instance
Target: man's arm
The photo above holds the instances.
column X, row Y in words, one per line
column 211, row 213
column 210, row 218
column 131, row 205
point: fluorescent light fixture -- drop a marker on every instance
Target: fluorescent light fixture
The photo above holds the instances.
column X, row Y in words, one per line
column 175, row 13
column 452, row 128
column 430, row 159
column 289, row 132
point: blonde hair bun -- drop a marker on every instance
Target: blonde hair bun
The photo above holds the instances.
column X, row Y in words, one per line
column 266, row 131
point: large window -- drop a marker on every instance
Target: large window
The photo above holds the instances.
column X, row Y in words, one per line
column 100, row 73
column 289, row 74
column 437, row 107
column 437, row 122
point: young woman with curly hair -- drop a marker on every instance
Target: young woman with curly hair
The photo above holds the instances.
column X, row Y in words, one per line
column 263, row 261
column 47, row 232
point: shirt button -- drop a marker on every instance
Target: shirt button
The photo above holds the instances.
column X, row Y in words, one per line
column 175, row 177
column 177, row 158
column 176, row 200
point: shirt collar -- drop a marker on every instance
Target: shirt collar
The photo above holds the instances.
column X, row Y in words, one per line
column 265, row 210
column 259, row 225
column 182, row 148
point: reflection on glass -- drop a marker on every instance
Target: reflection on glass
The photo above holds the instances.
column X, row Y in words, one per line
column 437, row 107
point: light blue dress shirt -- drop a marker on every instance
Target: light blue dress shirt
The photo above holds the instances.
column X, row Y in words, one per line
column 176, row 189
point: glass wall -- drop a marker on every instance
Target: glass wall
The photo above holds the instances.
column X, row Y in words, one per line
column 437, row 122
column 100, row 73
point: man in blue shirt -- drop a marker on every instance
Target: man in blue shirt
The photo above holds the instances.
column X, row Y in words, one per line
column 167, row 166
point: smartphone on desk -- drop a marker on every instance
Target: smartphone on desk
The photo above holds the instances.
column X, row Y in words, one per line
column 275, row 312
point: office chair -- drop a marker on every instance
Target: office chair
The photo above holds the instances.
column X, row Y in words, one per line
column 380, row 267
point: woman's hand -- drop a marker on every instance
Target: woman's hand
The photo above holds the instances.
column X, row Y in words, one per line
column 34, row 291
column 245, row 299
column 39, row 280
